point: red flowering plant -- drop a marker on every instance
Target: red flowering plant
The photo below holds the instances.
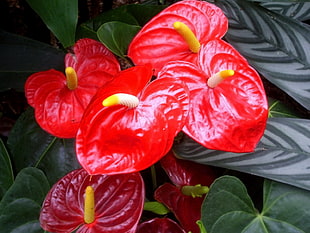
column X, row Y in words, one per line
column 177, row 32
column 184, row 197
column 99, row 203
column 159, row 225
column 131, row 122
column 60, row 100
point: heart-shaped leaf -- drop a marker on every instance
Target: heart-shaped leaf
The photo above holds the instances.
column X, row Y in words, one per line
column 21, row 204
column 228, row 208
column 20, row 57
column 6, row 174
column 116, row 36
column 29, row 145
column 282, row 154
column 59, row 16
column 276, row 45
column 118, row 203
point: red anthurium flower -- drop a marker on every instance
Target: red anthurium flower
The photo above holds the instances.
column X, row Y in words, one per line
column 59, row 100
column 185, row 197
column 93, row 204
column 131, row 123
column 228, row 103
column 159, row 225
column 177, row 32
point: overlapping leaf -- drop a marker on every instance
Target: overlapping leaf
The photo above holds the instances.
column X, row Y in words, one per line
column 228, row 208
column 6, row 174
column 31, row 146
column 277, row 46
column 282, row 154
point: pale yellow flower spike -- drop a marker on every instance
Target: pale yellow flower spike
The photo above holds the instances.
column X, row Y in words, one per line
column 72, row 81
column 128, row 100
column 217, row 78
column 89, row 205
column 188, row 36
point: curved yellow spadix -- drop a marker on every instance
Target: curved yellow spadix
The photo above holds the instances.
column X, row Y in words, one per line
column 89, row 205
column 217, row 78
column 128, row 100
column 72, row 81
column 188, row 36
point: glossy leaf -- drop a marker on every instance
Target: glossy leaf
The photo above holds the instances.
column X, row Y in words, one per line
column 281, row 155
column 118, row 203
column 275, row 45
column 59, row 16
column 116, row 36
column 158, row 42
column 6, row 174
column 279, row 109
column 29, row 145
column 295, row 10
column 159, row 225
column 119, row 139
column 20, row 206
column 228, row 207
column 58, row 109
column 231, row 116
column 20, row 57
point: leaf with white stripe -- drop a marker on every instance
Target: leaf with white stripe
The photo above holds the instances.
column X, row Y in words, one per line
column 276, row 45
column 283, row 154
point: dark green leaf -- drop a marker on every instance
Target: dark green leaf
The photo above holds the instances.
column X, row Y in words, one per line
column 20, row 57
column 20, row 206
column 224, row 210
column 6, row 174
column 31, row 146
column 116, row 36
column 297, row 10
column 283, row 153
column 279, row 109
column 59, row 16
column 277, row 46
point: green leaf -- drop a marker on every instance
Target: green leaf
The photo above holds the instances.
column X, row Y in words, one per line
column 277, row 46
column 20, row 206
column 59, row 16
column 116, row 36
column 156, row 207
column 283, row 154
column 6, row 174
column 20, row 57
column 297, row 10
column 31, row 146
column 279, row 109
column 226, row 210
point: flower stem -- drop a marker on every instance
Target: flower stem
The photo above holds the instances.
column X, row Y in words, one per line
column 188, row 36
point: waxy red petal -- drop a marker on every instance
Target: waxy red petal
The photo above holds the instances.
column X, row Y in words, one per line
column 183, row 172
column 232, row 116
column 119, row 139
column 158, row 42
column 159, row 225
column 118, row 203
column 58, row 110
column 185, row 208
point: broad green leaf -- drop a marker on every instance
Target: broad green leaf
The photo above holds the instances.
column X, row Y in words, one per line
column 20, row 57
column 276, row 45
column 6, row 174
column 31, row 146
column 279, row 109
column 59, row 16
column 297, row 10
column 116, row 36
column 283, row 211
column 134, row 14
column 283, row 154
column 20, row 206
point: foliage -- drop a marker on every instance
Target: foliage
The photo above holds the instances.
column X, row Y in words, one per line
column 273, row 37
